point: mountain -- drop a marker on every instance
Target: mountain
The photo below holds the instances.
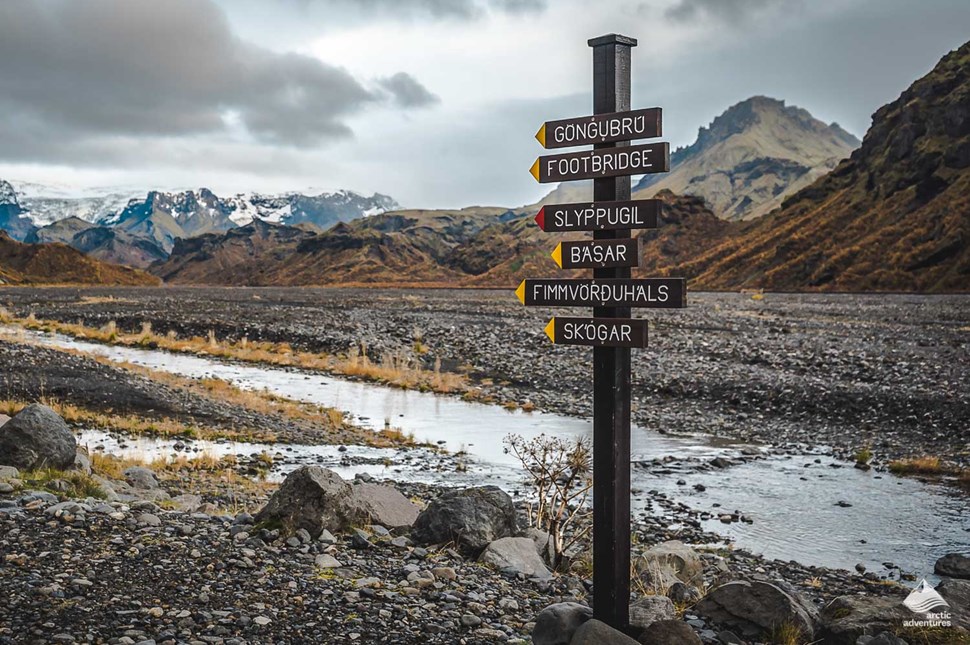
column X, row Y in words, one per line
column 100, row 242
column 62, row 231
column 47, row 203
column 746, row 162
column 322, row 211
column 12, row 217
column 57, row 263
column 165, row 217
column 894, row 216
column 398, row 247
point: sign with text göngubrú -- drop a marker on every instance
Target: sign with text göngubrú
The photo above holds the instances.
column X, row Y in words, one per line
column 601, row 128
column 598, row 164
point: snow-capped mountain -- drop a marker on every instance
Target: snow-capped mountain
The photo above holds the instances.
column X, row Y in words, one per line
column 48, row 203
column 322, row 210
column 12, row 216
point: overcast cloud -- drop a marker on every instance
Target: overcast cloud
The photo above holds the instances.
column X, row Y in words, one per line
column 431, row 101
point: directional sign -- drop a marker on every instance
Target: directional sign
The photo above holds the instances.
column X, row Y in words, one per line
column 596, row 164
column 597, row 254
column 598, row 332
column 600, row 216
column 647, row 293
column 601, row 128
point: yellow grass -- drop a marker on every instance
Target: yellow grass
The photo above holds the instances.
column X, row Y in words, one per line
column 398, row 369
column 917, row 466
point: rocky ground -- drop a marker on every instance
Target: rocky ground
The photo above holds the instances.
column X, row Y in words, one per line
column 884, row 371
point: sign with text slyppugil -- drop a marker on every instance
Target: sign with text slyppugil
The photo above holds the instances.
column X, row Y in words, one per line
column 646, row 293
column 598, row 332
column 599, row 216
column 597, row 164
column 597, row 254
column 601, row 128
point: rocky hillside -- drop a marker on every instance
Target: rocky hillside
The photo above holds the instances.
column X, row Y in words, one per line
column 100, row 242
column 58, row 263
column 12, row 218
column 746, row 162
column 398, row 247
column 894, row 216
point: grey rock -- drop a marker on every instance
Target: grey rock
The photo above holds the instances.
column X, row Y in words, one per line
column 82, row 462
column 847, row 618
column 9, row 472
column 683, row 593
column 37, row 438
column 140, row 477
column 472, row 518
column 470, row 620
column 312, row 498
column 3, row 419
column 385, row 505
column 650, row 609
column 556, row 624
column 187, row 503
column 543, row 542
column 148, row 519
column 957, row 594
column 755, row 608
column 327, row 561
column 664, row 564
column 594, row 632
column 515, row 553
column 669, row 632
column 953, row 565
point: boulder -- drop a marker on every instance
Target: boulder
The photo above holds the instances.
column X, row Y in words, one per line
column 556, row 624
column 756, row 608
column 650, row 609
column 594, row 632
column 664, row 564
column 847, row 618
column 517, row 554
column 37, row 438
column 141, row 478
column 470, row 517
column 953, row 565
column 385, row 505
column 9, row 472
column 957, row 594
column 883, row 638
column 82, row 462
column 312, row 498
column 543, row 542
column 669, row 632
column 187, row 503
column 3, row 419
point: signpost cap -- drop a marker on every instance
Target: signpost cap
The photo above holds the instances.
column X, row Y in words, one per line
column 612, row 39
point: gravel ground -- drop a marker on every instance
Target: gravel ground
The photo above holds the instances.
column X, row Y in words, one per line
column 888, row 371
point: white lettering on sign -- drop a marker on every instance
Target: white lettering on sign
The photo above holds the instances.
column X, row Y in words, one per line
column 597, row 332
column 598, row 253
column 626, row 126
column 600, row 163
column 600, row 292
column 597, row 217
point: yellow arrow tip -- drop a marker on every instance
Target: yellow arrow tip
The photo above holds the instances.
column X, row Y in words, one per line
column 551, row 330
column 541, row 135
column 557, row 254
column 520, row 292
column 535, row 169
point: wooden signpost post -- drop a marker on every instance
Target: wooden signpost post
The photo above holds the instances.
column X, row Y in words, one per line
column 612, row 293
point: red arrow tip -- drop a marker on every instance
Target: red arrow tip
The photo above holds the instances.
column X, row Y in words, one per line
column 541, row 218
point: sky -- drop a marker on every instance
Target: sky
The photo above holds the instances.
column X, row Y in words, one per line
column 433, row 102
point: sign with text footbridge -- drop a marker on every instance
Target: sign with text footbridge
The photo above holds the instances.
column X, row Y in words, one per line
column 643, row 159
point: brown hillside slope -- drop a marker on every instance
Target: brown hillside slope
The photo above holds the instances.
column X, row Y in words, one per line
column 894, row 216
column 58, row 263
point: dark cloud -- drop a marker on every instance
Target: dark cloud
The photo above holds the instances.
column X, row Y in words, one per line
column 407, row 92
column 457, row 9
column 75, row 71
column 732, row 11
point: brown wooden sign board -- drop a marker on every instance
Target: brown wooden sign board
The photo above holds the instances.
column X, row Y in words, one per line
column 601, row 128
column 600, row 216
column 597, row 254
column 598, row 332
column 622, row 161
column 645, row 293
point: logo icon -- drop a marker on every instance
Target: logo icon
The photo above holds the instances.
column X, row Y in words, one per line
column 924, row 599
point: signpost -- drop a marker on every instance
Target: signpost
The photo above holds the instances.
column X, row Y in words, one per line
column 599, row 216
column 611, row 293
column 597, row 254
column 598, row 332
column 593, row 164
column 600, row 128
